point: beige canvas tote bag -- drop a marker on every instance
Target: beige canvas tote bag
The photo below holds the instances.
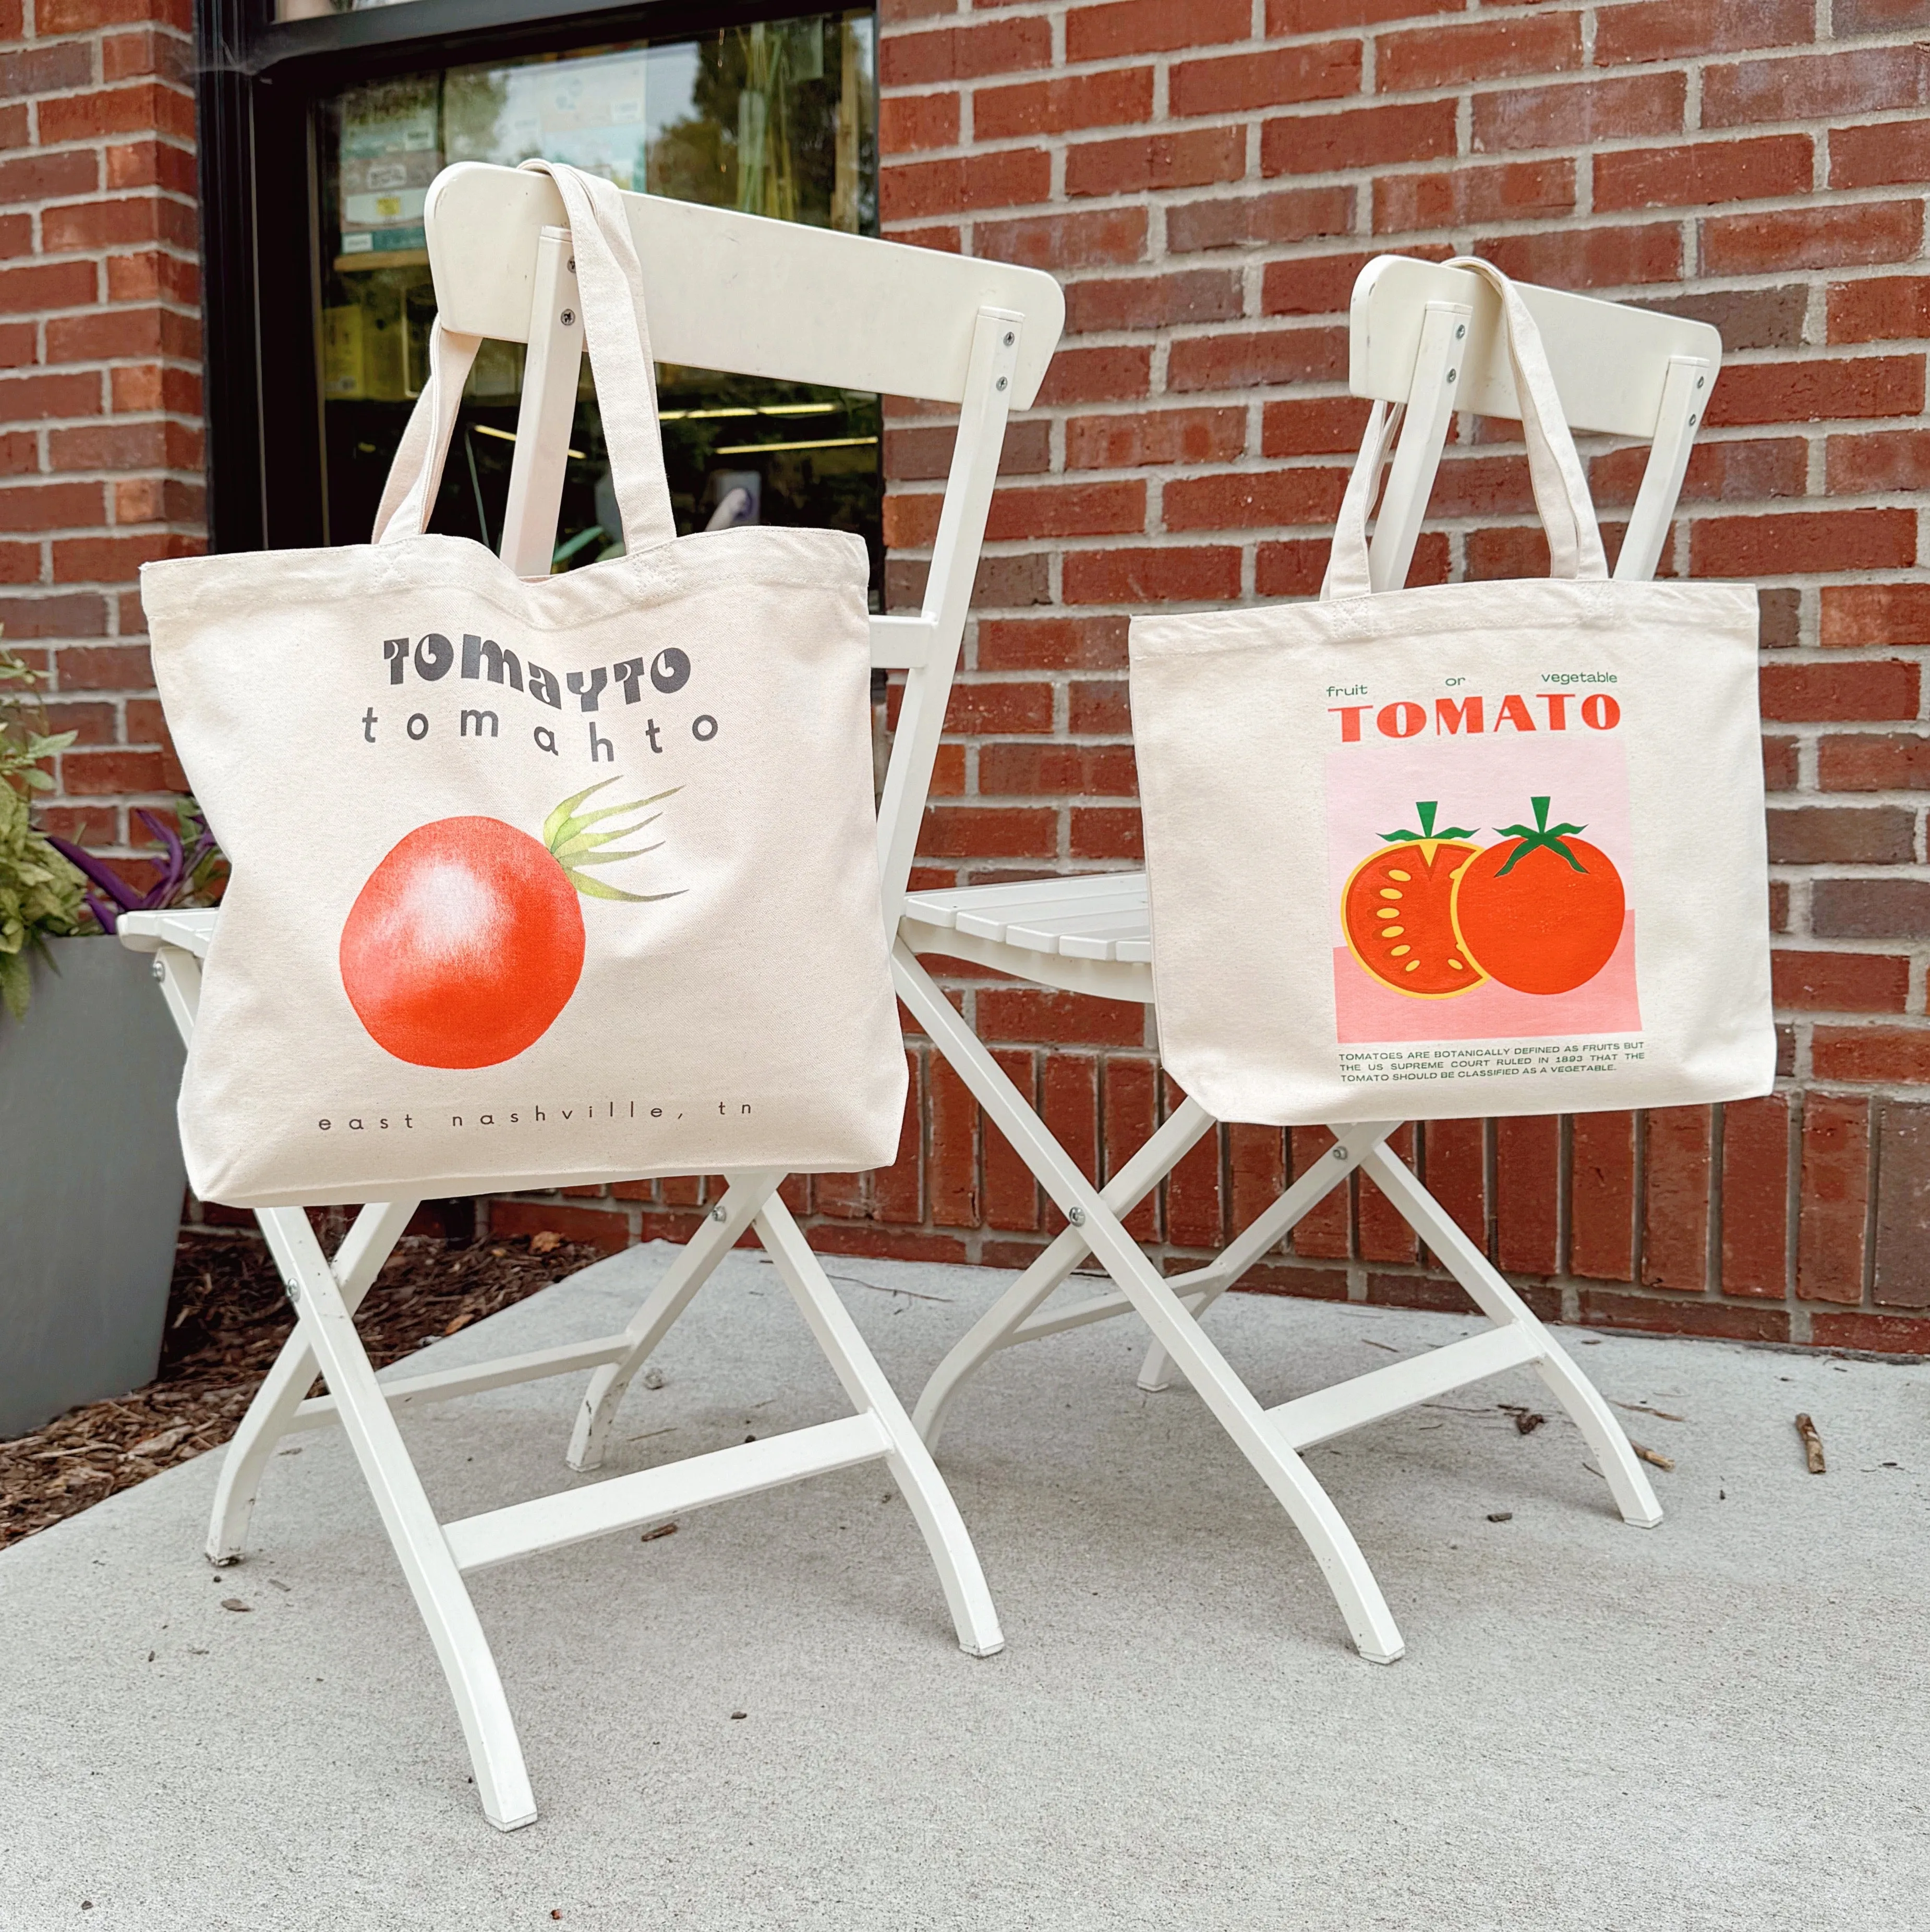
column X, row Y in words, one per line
column 1478, row 848
column 541, row 883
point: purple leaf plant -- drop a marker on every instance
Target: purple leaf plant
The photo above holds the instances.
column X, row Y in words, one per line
column 184, row 874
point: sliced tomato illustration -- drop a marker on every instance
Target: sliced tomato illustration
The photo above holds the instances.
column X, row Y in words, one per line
column 1541, row 911
column 1397, row 910
column 466, row 941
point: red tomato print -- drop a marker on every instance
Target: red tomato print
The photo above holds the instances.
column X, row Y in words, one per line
column 1541, row 911
column 1398, row 911
column 466, row 941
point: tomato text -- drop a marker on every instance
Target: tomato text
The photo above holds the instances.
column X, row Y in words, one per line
column 1472, row 716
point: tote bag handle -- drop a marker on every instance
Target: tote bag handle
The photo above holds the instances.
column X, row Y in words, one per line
column 1561, row 489
column 610, row 284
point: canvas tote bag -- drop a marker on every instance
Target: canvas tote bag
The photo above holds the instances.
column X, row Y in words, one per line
column 1479, row 848
column 534, row 883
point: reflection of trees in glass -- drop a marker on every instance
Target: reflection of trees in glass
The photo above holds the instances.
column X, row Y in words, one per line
column 777, row 59
column 781, row 125
column 778, row 119
column 474, row 101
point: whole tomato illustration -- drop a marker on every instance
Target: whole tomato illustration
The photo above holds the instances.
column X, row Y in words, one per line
column 1397, row 910
column 466, row 941
column 1542, row 910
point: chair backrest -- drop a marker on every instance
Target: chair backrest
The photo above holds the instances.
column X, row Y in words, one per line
column 742, row 293
column 1429, row 337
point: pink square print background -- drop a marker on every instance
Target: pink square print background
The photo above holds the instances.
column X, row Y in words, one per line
column 1481, row 783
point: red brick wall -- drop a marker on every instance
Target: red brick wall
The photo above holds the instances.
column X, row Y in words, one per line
column 100, row 374
column 1207, row 178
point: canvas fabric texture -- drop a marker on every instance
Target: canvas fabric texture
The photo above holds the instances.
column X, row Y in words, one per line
column 534, row 883
column 1483, row 848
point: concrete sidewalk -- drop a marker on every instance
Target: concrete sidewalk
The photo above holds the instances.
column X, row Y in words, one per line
column 1720, row 1724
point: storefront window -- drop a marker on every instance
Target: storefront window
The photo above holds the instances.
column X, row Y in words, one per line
column 776, row 119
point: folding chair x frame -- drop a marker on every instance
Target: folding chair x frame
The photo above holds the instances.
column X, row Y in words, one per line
column 1424, row 339
column 761, row 298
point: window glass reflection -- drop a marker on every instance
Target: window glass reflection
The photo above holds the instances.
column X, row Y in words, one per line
column 776, row 119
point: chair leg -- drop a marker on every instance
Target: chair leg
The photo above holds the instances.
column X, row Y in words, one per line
column 1357, row 1595
column 359, row 1261
column 695, row 1264
column 996, row 1328
column 936, row 1513
column 1362, row 1606
column 1634, row 1495
column 501, row 1783
column 1212, row 1281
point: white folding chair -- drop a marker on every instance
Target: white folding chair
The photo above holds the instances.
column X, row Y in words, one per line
column 726, row 291
column 1427, row 338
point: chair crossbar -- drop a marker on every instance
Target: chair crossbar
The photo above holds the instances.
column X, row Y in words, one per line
column 1101, row 1308
column 901, row 643
column 1200, row 1287
column 446, row 1384
column 1350, row 1404
column 623, row 1502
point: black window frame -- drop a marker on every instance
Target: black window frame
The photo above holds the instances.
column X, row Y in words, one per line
column 259, row 85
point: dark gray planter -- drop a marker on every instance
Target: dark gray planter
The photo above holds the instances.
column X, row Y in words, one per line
column 91, row 1180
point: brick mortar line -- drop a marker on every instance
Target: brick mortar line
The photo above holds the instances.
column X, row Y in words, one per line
column 1604, row 221
column 1507, row 13
column 1100, row 133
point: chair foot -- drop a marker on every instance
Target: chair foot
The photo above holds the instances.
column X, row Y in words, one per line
column 1627, row 1483
column 1157, row 1373
column 368, row 1243
column 695, row 1263
column 590, row 1436
column 1632, row 1494
column 960, row 1575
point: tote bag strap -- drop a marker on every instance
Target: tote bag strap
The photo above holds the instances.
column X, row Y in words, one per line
column 1561, row 489
column 1363, row 486
column 609, row 285
column 416, row 473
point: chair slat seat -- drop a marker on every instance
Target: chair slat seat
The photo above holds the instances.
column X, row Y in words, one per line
column 1088, row 916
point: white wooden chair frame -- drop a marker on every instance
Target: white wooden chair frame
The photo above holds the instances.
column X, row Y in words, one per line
column 761, row 298
column 1426, row 337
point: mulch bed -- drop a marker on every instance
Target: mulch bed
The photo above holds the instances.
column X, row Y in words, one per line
column 227, row 1319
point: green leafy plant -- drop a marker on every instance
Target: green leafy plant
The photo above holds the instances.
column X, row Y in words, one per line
column 40, row 893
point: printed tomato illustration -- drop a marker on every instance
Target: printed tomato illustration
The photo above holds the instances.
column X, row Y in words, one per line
column 466, row 941
column 1541, row 911
column 1397, row 909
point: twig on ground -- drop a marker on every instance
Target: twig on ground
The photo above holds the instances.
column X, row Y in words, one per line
column 878, row 1288
column 1655, row 1455
column 1812, row 1444
column 1643, row 1408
